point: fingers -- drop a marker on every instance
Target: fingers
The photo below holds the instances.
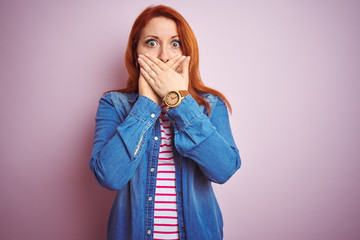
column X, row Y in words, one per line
column 147, row 64
column 147, row 77
column 176, row 65
column 173, row 60
column 185, row 67
column 157, row 63
column 148, row 69
column 154, row 66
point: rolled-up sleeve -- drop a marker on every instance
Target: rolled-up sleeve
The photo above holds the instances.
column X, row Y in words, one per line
column 206, row 140
column 120, row 140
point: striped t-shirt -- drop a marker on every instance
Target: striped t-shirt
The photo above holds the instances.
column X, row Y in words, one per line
column 165, row 211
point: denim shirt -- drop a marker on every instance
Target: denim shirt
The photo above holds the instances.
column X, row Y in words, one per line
column 126, row 146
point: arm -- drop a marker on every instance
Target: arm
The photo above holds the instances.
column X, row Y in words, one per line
column 120, row 140
column 207, row 141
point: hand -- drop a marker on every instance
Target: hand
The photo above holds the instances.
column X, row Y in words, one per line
column 146, row 90
column 163, row 78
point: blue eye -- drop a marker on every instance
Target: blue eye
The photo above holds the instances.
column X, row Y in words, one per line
column 176, row 44
column 151, row 43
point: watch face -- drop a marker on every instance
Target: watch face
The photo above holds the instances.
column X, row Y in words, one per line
column 172, row 98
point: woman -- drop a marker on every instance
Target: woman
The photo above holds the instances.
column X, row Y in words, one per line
column 162, row 140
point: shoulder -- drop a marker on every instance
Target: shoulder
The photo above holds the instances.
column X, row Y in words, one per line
column 115, row 96
column 217, row 104
column 121, row 101
column 212, row 99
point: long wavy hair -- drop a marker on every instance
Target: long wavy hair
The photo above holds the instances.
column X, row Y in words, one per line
column 189, row 47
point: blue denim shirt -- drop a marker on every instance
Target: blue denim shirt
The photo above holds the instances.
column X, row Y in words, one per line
column 126, row 145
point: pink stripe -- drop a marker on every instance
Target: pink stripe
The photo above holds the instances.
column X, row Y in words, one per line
column 166, row 238
column 165, row 201
column 165, row 232
column 164, row 209
column 166, row 171
column 164, row 224
column 168, row 164
column 164, row 126
column 166, row 138
column 165, row 186
column 166, row 179
column 165, row 217
column 167, row 134
column 166, row 158
column 165, row 120
column 168, row 145
column 165, row 194
column 166, row 152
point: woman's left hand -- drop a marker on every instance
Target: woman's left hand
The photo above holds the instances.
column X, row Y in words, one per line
column 163, row 78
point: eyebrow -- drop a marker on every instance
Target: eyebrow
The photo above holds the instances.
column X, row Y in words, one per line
column 156, row 37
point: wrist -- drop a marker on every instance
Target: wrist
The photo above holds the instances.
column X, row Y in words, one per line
column 154, row 98
column 173, row 98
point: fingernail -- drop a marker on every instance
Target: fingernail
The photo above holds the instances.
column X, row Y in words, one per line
column 146, row 54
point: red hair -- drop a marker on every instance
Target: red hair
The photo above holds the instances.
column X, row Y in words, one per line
column 189, row 48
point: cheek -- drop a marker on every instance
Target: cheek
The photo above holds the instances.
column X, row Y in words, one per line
column 142, row 50
column 178, row 51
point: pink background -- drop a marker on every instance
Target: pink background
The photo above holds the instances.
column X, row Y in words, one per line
column 291, row 70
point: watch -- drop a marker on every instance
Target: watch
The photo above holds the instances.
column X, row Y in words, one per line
column 174, row 97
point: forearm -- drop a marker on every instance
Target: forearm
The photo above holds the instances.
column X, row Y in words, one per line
column 207, row 141
column 118, row 147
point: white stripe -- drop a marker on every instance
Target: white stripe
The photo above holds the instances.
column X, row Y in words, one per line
column 166, row 213
column 165, row 221
column 166, row 205
column 166, row 168
column 163, row 190
column 166, row 236
column 167, row 228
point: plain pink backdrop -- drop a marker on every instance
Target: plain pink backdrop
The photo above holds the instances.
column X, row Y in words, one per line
column 291, row 70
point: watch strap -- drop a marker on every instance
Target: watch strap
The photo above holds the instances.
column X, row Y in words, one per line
column 184, row 93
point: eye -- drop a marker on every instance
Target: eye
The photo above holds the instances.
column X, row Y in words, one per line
column 176, row 44
column 151, row 43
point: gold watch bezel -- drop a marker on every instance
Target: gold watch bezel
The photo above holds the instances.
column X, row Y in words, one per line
column 172, row 105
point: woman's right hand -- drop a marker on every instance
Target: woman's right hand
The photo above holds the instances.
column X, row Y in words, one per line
column 146, row 90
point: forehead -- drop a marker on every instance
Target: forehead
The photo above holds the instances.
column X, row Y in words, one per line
column 161, row 27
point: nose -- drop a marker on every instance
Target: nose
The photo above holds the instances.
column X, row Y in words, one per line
column 164, row 54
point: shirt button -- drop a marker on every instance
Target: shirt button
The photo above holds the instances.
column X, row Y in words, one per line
column 174, row 122
column 152, row 169
column 180, row 193
column 152, row 115
column 150, row 198
column 149, row 232
column 179, row 164
column 183, row 228
column 156, row 138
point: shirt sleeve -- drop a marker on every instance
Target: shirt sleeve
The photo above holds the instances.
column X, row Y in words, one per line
column 206, row 140
column 120, row 139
